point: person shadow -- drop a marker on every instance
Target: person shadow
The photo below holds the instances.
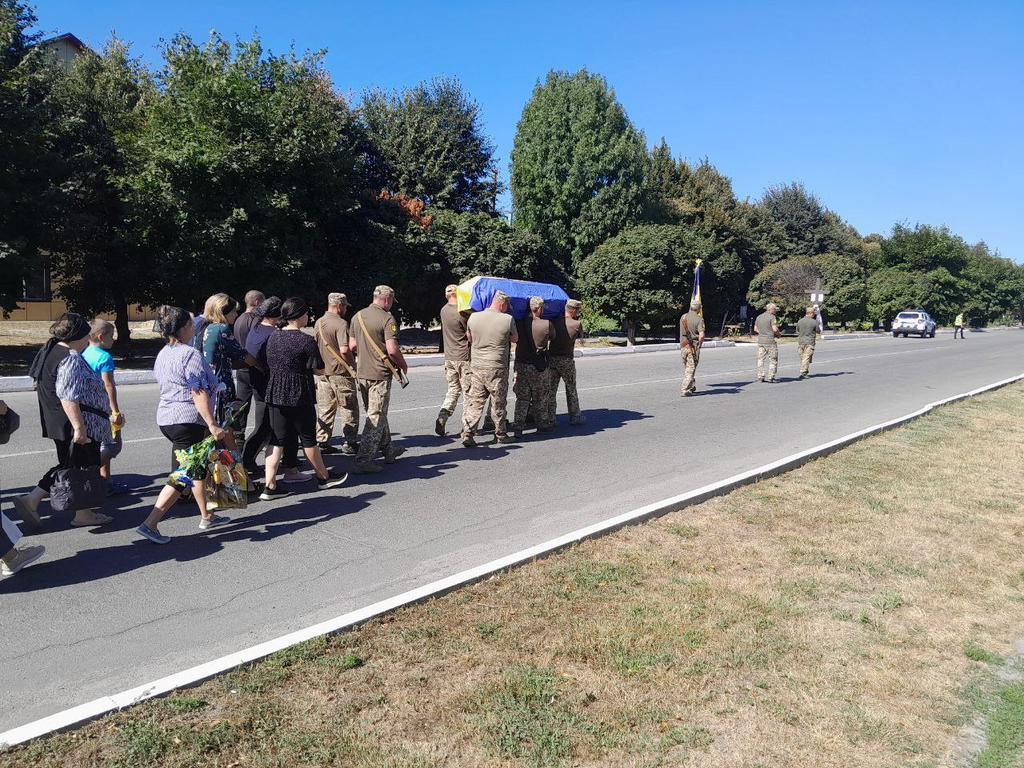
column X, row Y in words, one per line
column 104, row 562
column 597, row 420
column 720, row 388
column 787, row 379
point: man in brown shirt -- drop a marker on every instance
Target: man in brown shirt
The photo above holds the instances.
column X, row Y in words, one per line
column 374, row 340
column 456, row 357
column 532, row 384
column 491, row 335
column 563, row 362
column 336, row 389
column 691, row 336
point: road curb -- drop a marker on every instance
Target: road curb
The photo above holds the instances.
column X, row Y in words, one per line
column 128, row 377
column 106, row 704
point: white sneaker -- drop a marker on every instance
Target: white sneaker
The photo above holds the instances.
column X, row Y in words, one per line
column 24, row 557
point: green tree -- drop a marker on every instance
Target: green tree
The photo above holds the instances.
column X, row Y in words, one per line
column 427, row 142
column 788, row 283
column 644, row 274
column 98, row 261
column 808, row 227
column 578, row 166
column 923, row 248
column 29, row 161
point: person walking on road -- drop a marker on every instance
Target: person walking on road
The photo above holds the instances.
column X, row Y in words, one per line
column 958, row 325
column 491, row 335
column 767, row 330
column 221, row 350
column 336, row 391
column 374, row 340
column 292, row 359
column 806, row 335
column 691, row 337
column 243, row 324
column 268, row 312
column 563, row 361
column 184, row 414
column 532, row 384
column 456, row 358
column 101, row 362
column 73, row 411
column 12, row 559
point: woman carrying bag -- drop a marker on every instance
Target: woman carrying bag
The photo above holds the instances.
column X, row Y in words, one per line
column 73, row 412
column 12, row 559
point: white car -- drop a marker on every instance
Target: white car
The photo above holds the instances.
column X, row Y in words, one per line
column 915, row 321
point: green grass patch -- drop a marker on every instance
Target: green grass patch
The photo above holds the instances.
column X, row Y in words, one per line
column 977, row 653
column 1005, row 732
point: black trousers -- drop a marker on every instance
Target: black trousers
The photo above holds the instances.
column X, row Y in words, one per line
column 261, row 433
column 183, row 436
column 293, row 425
column 71, row 455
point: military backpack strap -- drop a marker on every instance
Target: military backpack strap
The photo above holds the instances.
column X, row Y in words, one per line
column 384, row 356
column 686, row 331
column 338, row 357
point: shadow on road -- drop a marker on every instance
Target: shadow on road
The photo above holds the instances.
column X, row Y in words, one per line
column 103, row 562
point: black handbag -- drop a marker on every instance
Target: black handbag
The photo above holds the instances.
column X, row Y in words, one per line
column 77, row 488
column 541, row 362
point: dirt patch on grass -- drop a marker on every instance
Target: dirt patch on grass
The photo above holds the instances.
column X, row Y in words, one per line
column 840, row 615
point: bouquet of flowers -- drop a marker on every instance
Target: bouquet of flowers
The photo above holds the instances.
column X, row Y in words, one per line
column 196, row 462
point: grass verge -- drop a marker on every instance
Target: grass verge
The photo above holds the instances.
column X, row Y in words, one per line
column 853, row 612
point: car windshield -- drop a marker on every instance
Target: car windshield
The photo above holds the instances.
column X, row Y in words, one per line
column 908, row 316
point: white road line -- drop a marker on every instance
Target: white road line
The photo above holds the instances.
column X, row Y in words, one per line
column 105, row 704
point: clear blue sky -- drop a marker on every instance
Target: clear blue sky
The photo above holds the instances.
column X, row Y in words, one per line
column 889, row 112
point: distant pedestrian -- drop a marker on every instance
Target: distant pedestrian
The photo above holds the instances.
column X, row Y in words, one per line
column 456, row 358
column 268, row 313
column 185, row 416
column 568, row 329
column 336, row 391
column 691, row 337
column 767, row 330
column 101, row 339
column 806, row 335
column 243, row 324
column 12, row 559
column 958, row 325
column 73, row 411
column 532, row 384
column 374, row 340
column 491, row 335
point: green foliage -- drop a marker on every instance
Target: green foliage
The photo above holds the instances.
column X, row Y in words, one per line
column 427, row 143
column 788, row 283
column 577, row 166
column 1005, row 731
column 808, row 227
column 645, row 274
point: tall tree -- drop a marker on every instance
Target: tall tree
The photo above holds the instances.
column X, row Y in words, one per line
column 427, row 142
column 578, row 166
column 98, row 261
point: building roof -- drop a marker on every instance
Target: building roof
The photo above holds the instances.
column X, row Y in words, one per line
column 68, row 38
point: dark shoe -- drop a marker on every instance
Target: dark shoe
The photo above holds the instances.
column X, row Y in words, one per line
column 469, row 442
column 269, row 494
column 117, row 489
column 686, row 393
column 350, row 449
column 504, row 439
column 155, row 536
column 331, row 481
column 392, row 454
column 327, row 449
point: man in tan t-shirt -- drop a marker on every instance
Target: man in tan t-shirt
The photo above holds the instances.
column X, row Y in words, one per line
column 456, row 357
column 491, row 335
column 374, row 340
column 691, row 336
column 766, row 328
column 533, row 373
column 336, row 390
column 563, row 362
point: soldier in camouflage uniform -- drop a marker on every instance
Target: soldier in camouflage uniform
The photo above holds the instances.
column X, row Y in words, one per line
column 491, row 335
column 456, row 358
column 767, row 329
column 806, row 335
column 563, row 363
column 691, row 336
column 532, row 383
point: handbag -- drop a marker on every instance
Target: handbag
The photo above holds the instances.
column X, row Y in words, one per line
column 75, row 488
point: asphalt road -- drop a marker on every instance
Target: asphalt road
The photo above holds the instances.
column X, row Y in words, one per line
column 104, row 611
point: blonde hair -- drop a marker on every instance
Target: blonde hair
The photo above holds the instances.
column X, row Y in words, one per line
column 217, row 307
column 99, row 328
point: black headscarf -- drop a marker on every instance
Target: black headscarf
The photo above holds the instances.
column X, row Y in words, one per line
column 73, row 327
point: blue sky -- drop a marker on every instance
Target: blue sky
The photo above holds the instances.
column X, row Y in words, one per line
column 889, row 112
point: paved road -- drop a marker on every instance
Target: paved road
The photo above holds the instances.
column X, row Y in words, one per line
column 103, row 612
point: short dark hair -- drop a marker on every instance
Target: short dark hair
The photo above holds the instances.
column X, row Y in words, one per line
column 170, row 320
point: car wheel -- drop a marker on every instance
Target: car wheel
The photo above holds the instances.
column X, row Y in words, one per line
column 895, row 335
column 905, row 335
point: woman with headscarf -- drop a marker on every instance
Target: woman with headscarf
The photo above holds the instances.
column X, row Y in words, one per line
column 291, row 358
column 214, row 338
column 185, row 414
column 73, row 412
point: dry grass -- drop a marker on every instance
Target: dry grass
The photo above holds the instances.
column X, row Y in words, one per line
column 846, row 614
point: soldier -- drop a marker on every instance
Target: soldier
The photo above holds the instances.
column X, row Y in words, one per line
column 563, row 363
column 806, row 334
column 491, row 334
column 532, row 384
column 456, row 358
column 691, row 337
column 766, row 329
column 336, row 389
column 374, row 340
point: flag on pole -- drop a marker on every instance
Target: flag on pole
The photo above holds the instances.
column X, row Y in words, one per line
column 695, row 296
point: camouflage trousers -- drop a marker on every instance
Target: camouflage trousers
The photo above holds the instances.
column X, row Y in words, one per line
column 460, row 379
column 533, row 390
column 691, row 358
column 376, row 396
column 767, row 362
column 806, row 355
column 486, row 382
column 563, row 368
column 336, row 395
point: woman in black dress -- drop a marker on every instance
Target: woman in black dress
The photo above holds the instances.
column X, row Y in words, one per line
column 292, row 357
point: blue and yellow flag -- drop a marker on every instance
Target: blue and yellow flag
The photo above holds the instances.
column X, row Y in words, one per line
column 695, row 296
